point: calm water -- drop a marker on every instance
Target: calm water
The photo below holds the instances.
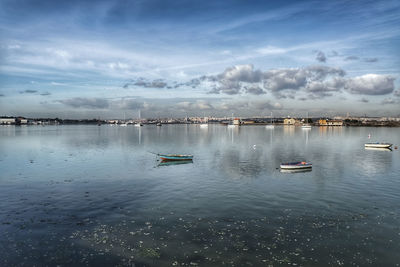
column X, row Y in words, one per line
column 89, row 195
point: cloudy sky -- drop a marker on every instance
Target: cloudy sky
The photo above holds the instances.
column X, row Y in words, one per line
column 85, row 59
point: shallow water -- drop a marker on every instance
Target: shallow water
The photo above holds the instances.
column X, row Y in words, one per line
column 89, row 195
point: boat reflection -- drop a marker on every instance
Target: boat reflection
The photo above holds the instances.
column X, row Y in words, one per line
column 295, row 170
column 169, row 163
column 378, row 148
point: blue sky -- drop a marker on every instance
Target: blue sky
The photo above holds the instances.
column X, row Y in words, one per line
column 84, row 59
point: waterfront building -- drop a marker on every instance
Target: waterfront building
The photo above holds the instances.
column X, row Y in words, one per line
column 324, row 122
column 7, row 121
column 290, row 121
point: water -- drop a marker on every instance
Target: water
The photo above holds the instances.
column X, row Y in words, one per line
column 89, row 195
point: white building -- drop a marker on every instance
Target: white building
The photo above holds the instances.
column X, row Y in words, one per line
column 7, row 120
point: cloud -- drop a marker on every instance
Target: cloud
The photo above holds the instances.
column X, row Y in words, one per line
column 1, row 95
column 320, row 57
column 351, row 58
column 241, row 73
column 248, row 105
column 193, row 106
column 45, row 94
column 283, row 83
column 333, row 54
column 390, row 101
column 371, row 60
column 57, row 83
column 317, row 81
column 397, row 93
column 364, row 100
column 142, row 82
column 272, row 50
column 370, row 84
column 90, row 103
column 28, row 91
column 255, row 90
column 131, row 104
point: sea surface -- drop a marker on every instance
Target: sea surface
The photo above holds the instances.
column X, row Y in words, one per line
column 96, row 196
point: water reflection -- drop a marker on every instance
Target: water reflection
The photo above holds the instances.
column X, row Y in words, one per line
column 387, row 149
column 83, row 195
column 172, row 163
column 295, row 171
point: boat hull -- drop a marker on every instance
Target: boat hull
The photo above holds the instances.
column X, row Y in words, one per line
column 296, row 165
column 378, row 145
column 176, row 157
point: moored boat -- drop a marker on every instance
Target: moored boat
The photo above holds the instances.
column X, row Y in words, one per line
column 270, row 126
column 174, row 157
column 378, row 145
column 296, row 165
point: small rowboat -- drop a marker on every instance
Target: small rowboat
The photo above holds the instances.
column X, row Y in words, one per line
column 174, row 157
column 378, row 145
column 296, row 165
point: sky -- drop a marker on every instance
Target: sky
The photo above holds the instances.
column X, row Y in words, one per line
column 110, row 59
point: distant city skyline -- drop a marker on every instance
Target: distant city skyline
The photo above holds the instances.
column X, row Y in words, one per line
column 89, row 59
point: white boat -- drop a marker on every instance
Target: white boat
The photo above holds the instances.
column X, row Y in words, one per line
column 270, row 126
column 378, row 145
column 139, row 124
column 231, row 125
column 306, row 125
column 124, row 124
column 204, row 125
column 296, row 165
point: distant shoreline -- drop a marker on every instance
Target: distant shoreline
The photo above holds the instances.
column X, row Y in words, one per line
column 389, row 124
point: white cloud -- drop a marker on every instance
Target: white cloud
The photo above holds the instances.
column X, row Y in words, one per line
column 272, row 50
column 370, row 84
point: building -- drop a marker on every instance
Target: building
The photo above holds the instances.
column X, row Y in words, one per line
column 21, row 120
column 324, row 122
column 248, row 122
column 290, row 121
column 7, row 120
column 236, row 121
column 335, row 122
